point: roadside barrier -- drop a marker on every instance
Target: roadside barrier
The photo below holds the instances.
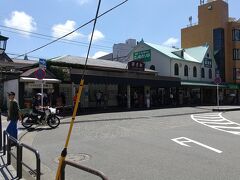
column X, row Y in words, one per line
column 83, row 168
column 8, row 143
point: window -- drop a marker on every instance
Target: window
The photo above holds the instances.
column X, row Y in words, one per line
column 236, row 74
column 210, row 73
column 152, row 67
column 236, row 34
column 185, row 70
column 236, row 54
column 202, row 73
column 194, row 71
column 176, row 70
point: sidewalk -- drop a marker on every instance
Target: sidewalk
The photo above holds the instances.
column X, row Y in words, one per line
column 6, row 172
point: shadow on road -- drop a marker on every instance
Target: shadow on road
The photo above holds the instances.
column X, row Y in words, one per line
column 136, row 118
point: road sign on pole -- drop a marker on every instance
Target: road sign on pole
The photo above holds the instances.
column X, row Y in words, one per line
column 42, row 63
column 40, row 74
column 218, row 80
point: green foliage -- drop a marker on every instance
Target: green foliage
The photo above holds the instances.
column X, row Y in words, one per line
column 61, row 73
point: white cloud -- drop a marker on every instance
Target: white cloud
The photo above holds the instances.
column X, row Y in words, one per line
column 21, row 20
column 59, row 30
column 99, row 54
column 97, row 35
column 82, row 2
column 171, row 42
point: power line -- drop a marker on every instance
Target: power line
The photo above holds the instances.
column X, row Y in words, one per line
column 73, row 30
column 47, row 37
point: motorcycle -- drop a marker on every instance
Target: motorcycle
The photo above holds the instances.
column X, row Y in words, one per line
column 50, row 118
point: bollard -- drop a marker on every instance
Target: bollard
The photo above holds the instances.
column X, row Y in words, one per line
column 8, row 152
column 19, row 161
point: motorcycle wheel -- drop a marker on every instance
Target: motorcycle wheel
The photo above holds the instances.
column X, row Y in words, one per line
column 27, row 121
column 53, row 121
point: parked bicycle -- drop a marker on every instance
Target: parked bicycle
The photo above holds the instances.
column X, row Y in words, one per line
column 50, row 118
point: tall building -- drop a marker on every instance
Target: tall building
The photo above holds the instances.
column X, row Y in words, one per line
column 221, row 32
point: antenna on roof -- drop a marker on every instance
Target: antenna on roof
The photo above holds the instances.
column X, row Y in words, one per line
column 190, row 20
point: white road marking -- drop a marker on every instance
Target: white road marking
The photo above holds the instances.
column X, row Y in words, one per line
column 218, row 122
column 183, row 140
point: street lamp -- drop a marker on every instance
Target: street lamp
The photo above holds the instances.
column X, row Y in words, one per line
column 3, row 43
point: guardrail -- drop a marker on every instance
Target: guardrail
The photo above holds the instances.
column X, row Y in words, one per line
column 84, row 168
column 8, row 142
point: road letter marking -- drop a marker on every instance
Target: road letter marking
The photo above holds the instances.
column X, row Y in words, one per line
column 183, row 140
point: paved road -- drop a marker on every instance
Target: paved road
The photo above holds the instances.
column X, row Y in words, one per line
column 169, row 144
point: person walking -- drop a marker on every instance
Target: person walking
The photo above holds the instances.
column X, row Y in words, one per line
column 13, row 115
column 148, row 96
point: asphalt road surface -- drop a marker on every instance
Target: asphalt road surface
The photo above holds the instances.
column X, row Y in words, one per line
column 170, row 144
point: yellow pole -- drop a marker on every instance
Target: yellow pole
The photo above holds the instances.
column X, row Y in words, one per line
column 64, row 152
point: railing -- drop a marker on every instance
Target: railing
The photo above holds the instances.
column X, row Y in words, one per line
column 84, row 168
column 11, row 141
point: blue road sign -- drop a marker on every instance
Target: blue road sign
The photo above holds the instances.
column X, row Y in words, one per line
column 42, row 63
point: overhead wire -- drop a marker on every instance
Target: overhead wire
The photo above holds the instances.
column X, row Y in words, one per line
column 90, row 21
column 48, row 37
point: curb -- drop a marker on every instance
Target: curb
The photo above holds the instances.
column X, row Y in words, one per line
column 225, row 109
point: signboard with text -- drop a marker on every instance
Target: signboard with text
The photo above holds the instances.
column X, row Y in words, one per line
column 144, row 56
column 136, row 66
column 207, row 62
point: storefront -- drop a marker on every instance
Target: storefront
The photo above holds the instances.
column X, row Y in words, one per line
column 29, row 86
column 113, row 83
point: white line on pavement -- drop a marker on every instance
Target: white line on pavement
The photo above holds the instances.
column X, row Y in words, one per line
column 218, row 122
column 183, row 140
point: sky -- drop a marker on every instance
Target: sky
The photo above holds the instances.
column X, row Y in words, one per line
column 31, row 24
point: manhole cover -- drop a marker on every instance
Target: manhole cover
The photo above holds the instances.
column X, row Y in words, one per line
column 77, row 158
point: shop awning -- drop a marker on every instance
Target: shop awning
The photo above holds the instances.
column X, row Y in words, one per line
column 233, row 86
column 27, row 79
column 205, row 84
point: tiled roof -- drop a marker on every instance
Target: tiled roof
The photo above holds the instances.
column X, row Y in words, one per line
column 91, row 62
column 24, row 61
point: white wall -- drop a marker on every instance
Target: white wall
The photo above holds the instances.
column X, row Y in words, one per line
column 11, row 85
column 164, row 65
column 182, row 63
column 159, row 60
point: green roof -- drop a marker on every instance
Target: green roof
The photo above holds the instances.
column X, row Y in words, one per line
column 195, row 54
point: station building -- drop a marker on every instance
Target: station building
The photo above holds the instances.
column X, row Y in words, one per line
column 195, row 67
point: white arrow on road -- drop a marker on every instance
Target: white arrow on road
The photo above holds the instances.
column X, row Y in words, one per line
column 183, row 140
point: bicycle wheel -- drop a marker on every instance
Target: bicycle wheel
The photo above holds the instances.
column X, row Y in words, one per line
column 27, row 121
column 53, row 121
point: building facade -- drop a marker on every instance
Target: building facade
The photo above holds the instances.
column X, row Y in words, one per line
column 221, row 32
column 194, row 66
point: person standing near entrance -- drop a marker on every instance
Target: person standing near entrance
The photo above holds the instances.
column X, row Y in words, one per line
column 13, row 115
column 148, row 99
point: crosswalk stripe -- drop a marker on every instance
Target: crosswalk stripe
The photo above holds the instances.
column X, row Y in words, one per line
column 218, row 122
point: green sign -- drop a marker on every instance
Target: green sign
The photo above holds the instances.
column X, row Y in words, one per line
column 144, row 56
